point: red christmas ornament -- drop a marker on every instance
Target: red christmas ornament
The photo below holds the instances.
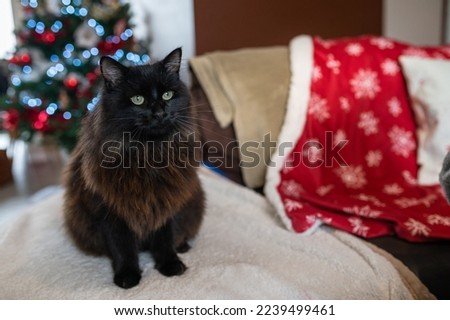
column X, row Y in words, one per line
column 92, row 77
column 38, row 125
column 43, row 116
column 109, row 47
column 41, row 123
column 48, row 37
column 11, row 120
column 85, row 93
column 25, row 58
column 20, row 59
column 105, row 47
column 14, row 59
column 71, row 83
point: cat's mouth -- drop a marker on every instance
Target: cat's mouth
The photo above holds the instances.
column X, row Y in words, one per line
column 156, row 127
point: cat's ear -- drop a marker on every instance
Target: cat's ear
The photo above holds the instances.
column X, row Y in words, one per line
column 113, row 72
column 172, row 61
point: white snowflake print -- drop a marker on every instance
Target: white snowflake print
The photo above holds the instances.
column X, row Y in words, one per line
column 326, row 43
column 318, row 108
column 415, row 52
column 291, row 205
column 394, row 106
column 352, row 177
column 325, row 220
column 344, row 104
column 390, row 67
column 373, row 158
column 339, row 136
column 365, row 84
column 417, row 228
column 333, row 64
column 324, row 190
column 409, row 177
column 426, row 201
column 289, row 164
column 402, row 141
column 313, row 153
column 311, row 219
column 369, row 198
column 392, row 189
column 354, row 49
column 287, row 169
column 365, row 211
column 292, row 188
column 382, row 43
column 316, row 73
column 358, row 226
column 368, row 122
column 439, row 220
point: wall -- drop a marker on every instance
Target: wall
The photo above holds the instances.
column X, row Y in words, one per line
column 7, row 26
column 169, row 24
column 219, row 25
column 416, row 21
column 447, row 23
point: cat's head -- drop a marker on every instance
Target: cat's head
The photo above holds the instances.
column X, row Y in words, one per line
column 148, row 101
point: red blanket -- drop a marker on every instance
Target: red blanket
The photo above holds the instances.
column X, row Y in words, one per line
column 353, row 161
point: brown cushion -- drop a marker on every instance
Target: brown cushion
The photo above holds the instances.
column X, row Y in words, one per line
column 5, row 168
column 219, row 145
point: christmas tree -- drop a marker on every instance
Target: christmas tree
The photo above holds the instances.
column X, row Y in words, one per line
column 54, row 70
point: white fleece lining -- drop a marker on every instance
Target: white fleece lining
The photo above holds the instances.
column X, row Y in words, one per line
column 301, row 60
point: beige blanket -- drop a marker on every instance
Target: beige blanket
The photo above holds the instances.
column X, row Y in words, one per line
column 247, row 88
column 242, row 252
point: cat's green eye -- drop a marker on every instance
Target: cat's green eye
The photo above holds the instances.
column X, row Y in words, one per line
column 167, row 95
column 137, row 100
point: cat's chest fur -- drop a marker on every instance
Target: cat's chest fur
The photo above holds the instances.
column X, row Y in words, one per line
column 144, row 197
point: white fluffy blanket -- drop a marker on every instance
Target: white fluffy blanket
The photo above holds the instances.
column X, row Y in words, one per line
column 242, row 252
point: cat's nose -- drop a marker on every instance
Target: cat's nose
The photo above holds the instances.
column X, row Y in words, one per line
column 159, row 115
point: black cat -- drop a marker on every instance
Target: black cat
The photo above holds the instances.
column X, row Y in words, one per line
column 131, row 183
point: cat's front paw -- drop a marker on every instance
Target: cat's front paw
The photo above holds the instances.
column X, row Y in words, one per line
column 183, row 247
column 172, row 268
column 127, row 279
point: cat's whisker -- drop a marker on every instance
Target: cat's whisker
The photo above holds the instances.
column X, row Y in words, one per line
column 198, row 118
column 134, row 133
column 121, row 119
column 184, row 124
column 191, row 106
column 186, row 127
column 194, row 116
column 214, row 132
column 202, row 111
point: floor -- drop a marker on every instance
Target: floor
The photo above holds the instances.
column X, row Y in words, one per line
column 11, row 202
column 37, row 172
